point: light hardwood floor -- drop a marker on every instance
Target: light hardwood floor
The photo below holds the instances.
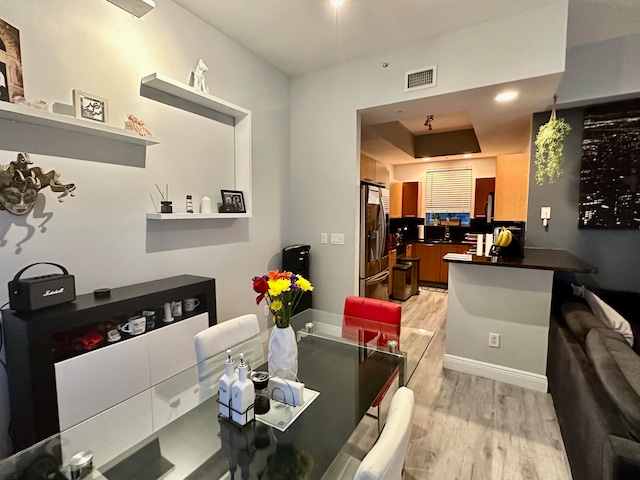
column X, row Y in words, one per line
column 468, row 427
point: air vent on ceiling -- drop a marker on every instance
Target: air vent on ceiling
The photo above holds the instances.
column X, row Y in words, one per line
column 420, row 78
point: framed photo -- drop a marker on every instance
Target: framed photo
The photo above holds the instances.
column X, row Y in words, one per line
column 232, row 202
column 90, row 107
column 11, row 82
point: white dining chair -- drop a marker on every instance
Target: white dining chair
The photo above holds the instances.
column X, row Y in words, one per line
column 219, row 338
column 385, row 461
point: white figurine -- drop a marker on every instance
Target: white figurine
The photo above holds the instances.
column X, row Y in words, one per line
column 197, row 77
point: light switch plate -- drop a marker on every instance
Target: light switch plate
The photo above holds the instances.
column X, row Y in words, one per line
column 323, row 238
column 545, row 213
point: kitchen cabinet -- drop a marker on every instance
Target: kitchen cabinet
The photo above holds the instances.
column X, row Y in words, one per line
column 372, row 171
column 444, row 266
column 409, row 250
column 410, row 195
column 432, row 268
column 393, row 259
column 484, row 186
column 429, row 255
column 512, row 187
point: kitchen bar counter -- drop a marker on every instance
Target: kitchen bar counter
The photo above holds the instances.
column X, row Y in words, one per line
column 498, row 317
column 534, row 258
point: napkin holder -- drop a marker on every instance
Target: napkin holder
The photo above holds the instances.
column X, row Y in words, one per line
column 286, row 391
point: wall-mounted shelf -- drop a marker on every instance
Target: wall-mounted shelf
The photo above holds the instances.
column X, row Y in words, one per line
column 20, row 113
column 194, row 216
column 179, row 95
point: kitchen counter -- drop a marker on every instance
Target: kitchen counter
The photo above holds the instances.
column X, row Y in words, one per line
column 512, row 300
column 534, row 258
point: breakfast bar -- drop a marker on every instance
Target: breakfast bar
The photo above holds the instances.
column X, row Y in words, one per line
column 498, row 314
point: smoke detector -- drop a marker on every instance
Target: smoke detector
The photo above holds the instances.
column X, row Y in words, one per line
column 420, row 78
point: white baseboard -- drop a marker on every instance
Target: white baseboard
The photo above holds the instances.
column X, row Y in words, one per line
column 521, row 378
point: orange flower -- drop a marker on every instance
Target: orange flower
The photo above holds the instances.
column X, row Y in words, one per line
column 275, row 275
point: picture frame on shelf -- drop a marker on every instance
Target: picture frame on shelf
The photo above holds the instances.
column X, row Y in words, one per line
column 232, row 202
column 90, row 107
column 11, row 81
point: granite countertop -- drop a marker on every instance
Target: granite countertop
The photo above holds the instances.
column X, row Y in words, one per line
column 534, row 258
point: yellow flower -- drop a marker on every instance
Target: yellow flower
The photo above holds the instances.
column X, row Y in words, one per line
column 304, row 284
column 277, row 286
column 276, row 305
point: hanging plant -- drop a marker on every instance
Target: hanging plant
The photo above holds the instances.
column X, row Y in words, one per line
column 550, row 148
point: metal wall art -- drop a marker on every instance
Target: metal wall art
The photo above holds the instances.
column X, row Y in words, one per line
column 20, row 183
column 610, row 176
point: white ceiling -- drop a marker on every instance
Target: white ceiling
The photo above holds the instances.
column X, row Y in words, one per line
column 300, row 36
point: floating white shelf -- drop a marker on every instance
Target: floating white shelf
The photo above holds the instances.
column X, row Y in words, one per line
column 20, row 113
column 190, row 94
column 194, row 216
column 190, row 99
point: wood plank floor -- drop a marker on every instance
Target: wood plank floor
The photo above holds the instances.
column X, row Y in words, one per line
column 469, row 427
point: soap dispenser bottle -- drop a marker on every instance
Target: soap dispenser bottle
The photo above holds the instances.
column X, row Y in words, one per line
column 242, row 395
column 226, row 383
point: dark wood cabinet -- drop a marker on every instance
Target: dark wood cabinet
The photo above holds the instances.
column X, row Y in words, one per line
column 410, row 199
column 49, row 361
column 444, row 266
column 484, row 186
column 432, row 268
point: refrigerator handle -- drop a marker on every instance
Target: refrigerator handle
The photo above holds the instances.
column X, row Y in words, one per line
column 383, row 230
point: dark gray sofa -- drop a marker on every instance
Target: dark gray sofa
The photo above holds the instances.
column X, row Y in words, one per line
column 594, row 380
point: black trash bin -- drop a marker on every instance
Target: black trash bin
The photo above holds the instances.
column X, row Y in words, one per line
column 401, row 281
column 415, row 273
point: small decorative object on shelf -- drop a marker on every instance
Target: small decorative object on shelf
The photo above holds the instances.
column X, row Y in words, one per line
column 37, row 104
column 282, row 292
column 166, row 205
column 134, row 124
column 205, row 205
column 232, row 202
column 20, row 184
column 11, row 81
column 197, row 79
column 189, row 204
column 90, row 107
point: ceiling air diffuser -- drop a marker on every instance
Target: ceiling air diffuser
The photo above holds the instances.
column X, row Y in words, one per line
column 420, row 78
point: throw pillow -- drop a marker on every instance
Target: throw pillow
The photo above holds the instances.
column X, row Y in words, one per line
column 605, row 313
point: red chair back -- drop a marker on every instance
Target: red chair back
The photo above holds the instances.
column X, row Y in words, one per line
column 373, row 318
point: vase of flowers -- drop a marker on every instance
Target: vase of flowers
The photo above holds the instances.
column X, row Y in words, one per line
column 282, row 292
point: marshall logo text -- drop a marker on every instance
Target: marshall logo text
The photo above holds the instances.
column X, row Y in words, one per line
column 48, row 293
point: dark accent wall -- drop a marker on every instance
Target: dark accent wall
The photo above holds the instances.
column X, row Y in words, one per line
column 615, row 253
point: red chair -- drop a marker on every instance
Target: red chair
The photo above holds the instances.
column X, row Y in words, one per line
column 366, row 319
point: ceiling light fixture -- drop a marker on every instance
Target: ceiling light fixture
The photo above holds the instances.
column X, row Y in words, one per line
column 506, row 96
column 426, row 159
column 428, row 121
column 468, row 155
column 337, row 3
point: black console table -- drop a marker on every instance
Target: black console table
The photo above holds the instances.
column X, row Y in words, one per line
column 56, row 381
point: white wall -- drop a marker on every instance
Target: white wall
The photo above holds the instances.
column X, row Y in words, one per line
column 102, row 235
column 325, row 130
column 416, row 172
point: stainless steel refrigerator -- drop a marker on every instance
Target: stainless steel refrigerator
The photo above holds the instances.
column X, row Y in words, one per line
column 374, row 250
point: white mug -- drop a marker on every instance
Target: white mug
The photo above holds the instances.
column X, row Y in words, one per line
column 190, row 304
column 176, row 308
column 135, row 326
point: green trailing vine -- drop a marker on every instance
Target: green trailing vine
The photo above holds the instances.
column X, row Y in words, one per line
column 550, row 148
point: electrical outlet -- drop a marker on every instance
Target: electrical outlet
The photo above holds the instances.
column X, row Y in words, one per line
column 323, row 238
column 337, row 239
column 494, row 340
column 266, row 311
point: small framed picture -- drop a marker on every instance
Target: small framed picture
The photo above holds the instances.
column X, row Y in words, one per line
column 90, row 106
column 232, row 202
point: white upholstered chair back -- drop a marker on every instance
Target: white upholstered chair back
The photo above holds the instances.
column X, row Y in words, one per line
column 216, row 340
column 385, row 460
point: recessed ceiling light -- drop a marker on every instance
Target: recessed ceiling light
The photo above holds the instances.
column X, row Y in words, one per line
column 337, row 3
column 426, row 159
column 506, row 96
column 467, row 155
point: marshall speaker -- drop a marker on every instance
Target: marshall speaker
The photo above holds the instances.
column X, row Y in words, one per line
column 28, row 294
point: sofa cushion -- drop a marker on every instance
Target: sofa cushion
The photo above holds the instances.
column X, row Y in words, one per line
column 618, row 368
column 580, row 319
column 609, row 316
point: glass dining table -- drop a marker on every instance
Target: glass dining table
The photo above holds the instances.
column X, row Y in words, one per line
column 173, row 430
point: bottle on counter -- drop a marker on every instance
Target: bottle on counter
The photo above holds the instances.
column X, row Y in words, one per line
column 242, row 395
column 226, row 384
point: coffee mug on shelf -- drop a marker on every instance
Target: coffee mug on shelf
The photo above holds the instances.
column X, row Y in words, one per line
column 150, row 317
column 167, row 313
column 190, row 304
column 135, row 325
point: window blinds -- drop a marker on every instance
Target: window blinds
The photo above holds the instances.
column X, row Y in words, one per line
column 448, row 191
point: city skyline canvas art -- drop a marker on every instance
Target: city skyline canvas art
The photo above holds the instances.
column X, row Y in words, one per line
column 609, row 177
